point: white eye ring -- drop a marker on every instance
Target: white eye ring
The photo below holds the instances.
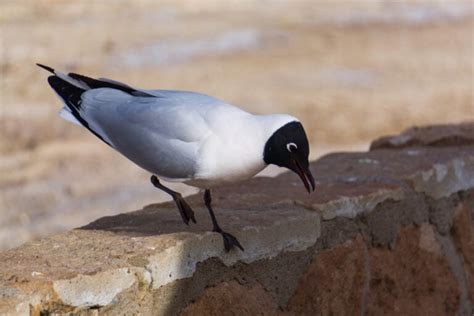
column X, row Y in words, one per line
column 291, row 147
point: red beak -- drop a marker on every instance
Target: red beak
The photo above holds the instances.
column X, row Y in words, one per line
column 306, row 176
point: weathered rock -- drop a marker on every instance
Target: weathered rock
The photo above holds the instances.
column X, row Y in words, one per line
column 231, row 298
column 413, row 278
column 433, row 135
column 463, row 235
column 139, row 255
column 436, row 172
column 148, row 262
column 282, row 227
column 85, row 290
column 385, row 221
column 442, row 212
column 350, row 207
column 334, row 283
column 445, row 178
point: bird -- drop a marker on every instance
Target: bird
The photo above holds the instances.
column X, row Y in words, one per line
column 183, row 136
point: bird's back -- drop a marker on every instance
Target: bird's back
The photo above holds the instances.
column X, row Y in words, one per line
column 164, row 134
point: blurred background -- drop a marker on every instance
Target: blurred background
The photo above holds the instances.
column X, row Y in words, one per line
column 350, row 70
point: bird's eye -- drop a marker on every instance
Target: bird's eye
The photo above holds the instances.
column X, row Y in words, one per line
column 291, row 147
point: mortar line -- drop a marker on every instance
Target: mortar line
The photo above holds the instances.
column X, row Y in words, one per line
column 366, row 287
column 456, row 266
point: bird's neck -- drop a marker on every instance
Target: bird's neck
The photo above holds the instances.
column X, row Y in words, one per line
column 239, row 156
column 271, row 123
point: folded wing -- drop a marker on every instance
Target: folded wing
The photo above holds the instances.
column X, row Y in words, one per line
column 160, row 131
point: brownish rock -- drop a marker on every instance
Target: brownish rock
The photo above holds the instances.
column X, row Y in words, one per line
column 412, row 279
column 149, row 255
column 231, row 298
column 333, row 283
column 433, row 135
column 463, row 235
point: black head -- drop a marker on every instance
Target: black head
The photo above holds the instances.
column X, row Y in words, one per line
column 288, row 147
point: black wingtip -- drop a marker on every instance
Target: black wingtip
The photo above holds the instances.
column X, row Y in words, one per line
column 51, row 70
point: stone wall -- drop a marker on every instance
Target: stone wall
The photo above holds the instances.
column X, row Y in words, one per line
column 389, row 231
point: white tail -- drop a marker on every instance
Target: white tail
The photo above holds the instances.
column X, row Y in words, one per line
column 66, row 114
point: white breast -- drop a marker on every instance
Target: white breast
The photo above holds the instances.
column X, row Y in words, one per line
column 234, row 152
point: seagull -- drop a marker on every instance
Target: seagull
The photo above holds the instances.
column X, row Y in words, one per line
column 183, row 136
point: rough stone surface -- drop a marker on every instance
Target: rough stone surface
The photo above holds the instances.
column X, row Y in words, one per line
column 383, row 233
column 334, row 282
column 160, row 258
column 277, row 276
column 350, row 207
column 85, row 290
column 179, row 261
column 435, row 135
column 442, row 212
column 445, row 179
column 412, row 278
column 231, row 298
column 463, row 235
column 384, row 222
column 455, row 262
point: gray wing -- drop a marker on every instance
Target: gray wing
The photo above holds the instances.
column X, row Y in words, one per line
column 162, row 135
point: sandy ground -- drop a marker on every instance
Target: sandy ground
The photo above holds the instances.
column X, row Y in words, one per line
column 352, row 71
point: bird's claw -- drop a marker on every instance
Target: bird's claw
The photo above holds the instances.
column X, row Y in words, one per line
column 229, row 241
